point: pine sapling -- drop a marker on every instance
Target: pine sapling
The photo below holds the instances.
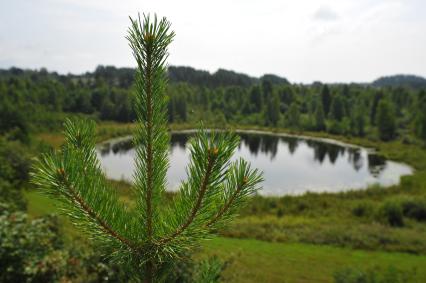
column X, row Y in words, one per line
column 153, row 234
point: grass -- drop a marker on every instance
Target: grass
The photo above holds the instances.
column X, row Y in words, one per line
column 39, row 204
column 259, row 261
column 105, row 131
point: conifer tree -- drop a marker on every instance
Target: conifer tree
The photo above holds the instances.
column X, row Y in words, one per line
column 337, row 108
column 272, row 110
column 151, row 235
column 420, row 122
column 293, row 115
column 320, row 117
column 375, row 104
column 386, row 123
column 326, row 99
column 256, row 99
column 357, row 121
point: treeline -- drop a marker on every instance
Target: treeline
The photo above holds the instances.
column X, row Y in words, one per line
column 387, row 108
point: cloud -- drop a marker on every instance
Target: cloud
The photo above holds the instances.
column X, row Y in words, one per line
column 325, row 13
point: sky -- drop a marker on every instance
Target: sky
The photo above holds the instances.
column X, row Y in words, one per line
column 303, row 40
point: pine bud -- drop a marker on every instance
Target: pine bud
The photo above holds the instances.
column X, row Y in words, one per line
column 61, row 171
column 245, row 180
column 214, row 151
column 147, row 37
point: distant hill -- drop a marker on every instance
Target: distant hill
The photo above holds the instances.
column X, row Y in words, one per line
column 123, row 77
column 203, row 78
column 400, row 80
column 221, row 77
column 274, row 79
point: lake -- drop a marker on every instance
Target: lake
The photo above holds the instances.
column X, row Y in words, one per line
column 291, row 164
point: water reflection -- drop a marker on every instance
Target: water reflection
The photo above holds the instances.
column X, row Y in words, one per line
column 376, row 164
column 179, row 139
column 291, row 164
column 355, row 158
column 118, row 146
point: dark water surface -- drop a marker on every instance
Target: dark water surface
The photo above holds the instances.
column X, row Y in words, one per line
column 291, row 165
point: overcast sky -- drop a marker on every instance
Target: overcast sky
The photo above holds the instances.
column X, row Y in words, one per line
column 303, row 40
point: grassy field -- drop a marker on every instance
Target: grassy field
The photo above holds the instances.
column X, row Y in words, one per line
column 105, row 130
column 307, row 238
column 260, row 261
column 263, row 261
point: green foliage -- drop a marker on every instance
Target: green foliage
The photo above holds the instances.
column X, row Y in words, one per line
column 12, row 196
column 386, row 120
column 293, row 116
column 33, row 250
column 13, row 123
column 335, row 127
column 256, row 99
column 337, row 110
column 14, row 162
column 374, row 275
column 14, row 173
column 206, row 270
column 149, row 237
column 38, row 100
column 400, row 80
column 358, row 120
column 29, row 250
column 319, row 117
column 374, row 105
column 391, row 213
column 209, row 270
column 326, row 99
column 177, row 108
column 362, row 209
column 414, row 208
column 272, row 109
column 421, row 116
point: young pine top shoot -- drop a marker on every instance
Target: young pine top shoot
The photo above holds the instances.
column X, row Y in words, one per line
column 153, row 234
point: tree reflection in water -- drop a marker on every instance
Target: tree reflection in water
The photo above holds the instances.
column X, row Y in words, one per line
column 268, row 145
column 291, row 164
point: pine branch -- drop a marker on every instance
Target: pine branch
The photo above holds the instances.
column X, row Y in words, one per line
column 74, row 176
column 195, row 204
column 225, row 207
column 202, row 190
column 241, row 182
column 148, row 41
column 91, row 213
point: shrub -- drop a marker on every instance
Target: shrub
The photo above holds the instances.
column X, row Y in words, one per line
column 414, row 208
column 335, row 128
column 391, row 213
column 280, row 212
column 14, row 162
column 28, row 250
column 362, row 209
column 11, row 196
column 374, row 275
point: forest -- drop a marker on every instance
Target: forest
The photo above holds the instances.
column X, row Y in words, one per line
column 385, row 109
column 384, row 227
